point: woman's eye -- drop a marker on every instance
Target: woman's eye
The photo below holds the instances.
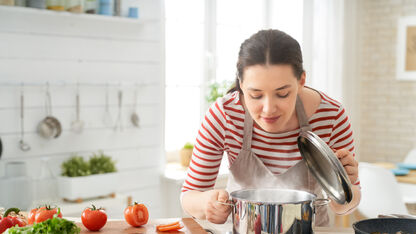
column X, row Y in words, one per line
column 255, row 97
column 283, row 96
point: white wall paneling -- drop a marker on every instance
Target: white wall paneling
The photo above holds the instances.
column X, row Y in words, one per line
column 99, row 55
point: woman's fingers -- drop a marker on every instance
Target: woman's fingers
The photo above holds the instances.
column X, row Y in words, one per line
column 217, row 212
column 349, row 163
column 352, row 173
column 348, row 160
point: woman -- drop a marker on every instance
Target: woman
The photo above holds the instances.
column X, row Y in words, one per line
column 257, row 125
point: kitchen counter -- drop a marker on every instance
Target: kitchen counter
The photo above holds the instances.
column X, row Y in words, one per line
column 190, row 226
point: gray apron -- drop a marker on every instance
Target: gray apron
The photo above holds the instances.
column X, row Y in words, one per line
column 248, row 171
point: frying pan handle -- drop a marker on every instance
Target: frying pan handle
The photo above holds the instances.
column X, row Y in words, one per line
column 227, row 203
column 321, row 202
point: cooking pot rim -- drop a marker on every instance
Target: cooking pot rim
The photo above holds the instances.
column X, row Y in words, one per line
column 232, row 194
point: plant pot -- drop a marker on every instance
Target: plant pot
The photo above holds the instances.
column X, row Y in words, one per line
column 186, row 155
column 83, row 187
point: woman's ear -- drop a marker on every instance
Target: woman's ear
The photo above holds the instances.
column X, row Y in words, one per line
column 241, row 84
column 302, row 81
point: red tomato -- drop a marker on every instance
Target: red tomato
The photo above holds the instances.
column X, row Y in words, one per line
column 5, row 224
column 136, row 215
column 45, row 213
column 94, row 219
column 31, row 216
column 11, row 220
column 18, row 221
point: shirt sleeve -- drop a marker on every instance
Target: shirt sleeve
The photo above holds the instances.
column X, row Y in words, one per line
column 208, row 151
column 342, row 135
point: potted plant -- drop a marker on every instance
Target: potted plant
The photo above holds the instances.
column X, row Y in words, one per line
column 78, row 175
column 186, row 154
column 216, row 90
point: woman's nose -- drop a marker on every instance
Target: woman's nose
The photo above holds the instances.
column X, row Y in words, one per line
column 268, row 105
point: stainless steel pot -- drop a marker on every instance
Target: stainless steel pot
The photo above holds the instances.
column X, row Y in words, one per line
column 273, row 211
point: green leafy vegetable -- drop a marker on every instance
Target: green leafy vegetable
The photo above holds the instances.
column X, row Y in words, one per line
column 101, row 163
column 216, row 90
column 75, row 166
column 98, row 164
column 50, row 226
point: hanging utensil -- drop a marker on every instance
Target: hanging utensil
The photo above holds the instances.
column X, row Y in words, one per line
column 77, row 125
column 108, row 120
column 119, row 125
column 134, row 116
column 1, row 148
column 24, row 146
column 49, row 127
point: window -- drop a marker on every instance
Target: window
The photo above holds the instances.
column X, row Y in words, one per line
column 203, row 38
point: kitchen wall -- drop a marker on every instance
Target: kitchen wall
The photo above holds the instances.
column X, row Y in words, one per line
column 387, row 106
column 101, row 54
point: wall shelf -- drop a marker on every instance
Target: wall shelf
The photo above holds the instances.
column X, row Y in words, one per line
column 35, row 11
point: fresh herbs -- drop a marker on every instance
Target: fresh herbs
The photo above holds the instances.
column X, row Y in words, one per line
column 216, row 90
column 98, row 164
column 101, row 163
column 50, row 226
column 75, row 166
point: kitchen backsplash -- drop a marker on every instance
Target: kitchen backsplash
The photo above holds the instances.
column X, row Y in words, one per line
column 98, row 57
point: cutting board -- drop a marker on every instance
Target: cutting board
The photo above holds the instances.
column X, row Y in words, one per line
column 410, row 178
column 190, row 226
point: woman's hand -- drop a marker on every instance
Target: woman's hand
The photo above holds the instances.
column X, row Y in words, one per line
column 349, row 163
column 214, row 211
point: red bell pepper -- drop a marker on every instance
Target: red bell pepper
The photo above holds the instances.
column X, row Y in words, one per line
column 9, row 221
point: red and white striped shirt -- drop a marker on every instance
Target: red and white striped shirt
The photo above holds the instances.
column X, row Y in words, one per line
column 222, row 131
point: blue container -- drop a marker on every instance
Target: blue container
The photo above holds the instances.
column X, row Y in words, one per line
column 133, row 12
column 106, row 7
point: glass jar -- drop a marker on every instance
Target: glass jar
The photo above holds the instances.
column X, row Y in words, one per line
column 21, row 3
column 91, row 6
column 74, row 6
column 56, row 5
column 40, row 4
column 106, row 7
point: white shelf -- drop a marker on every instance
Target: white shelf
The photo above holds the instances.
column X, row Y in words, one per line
column 36, row 11
column 114, row 207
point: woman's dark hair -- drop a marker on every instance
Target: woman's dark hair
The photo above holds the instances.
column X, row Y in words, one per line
column 268, row 47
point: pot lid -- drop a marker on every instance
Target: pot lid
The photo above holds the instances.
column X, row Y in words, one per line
column 325, row 167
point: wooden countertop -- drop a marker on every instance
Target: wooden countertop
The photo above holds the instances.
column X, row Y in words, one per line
column 409, row 178
column 190, row 226
column 120, row 226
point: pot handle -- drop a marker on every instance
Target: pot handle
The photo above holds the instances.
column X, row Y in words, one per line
column 320, row 202
column 227, row 203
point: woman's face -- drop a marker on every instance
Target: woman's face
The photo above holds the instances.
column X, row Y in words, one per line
column 270, row 95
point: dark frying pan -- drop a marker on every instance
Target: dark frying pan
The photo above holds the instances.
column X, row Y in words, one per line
column 385, row 225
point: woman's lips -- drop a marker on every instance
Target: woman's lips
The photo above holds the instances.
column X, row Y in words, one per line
column 270, row 119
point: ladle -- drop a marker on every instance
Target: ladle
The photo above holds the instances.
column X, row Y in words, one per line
column 134, row 116
column 77, row 125
column 108, row 120
column 49, row 127
column 119, row 125
column 24, row 146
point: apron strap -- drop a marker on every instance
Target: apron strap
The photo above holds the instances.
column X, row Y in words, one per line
column 248, row 130
column 302, row 118
column 304, row 126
